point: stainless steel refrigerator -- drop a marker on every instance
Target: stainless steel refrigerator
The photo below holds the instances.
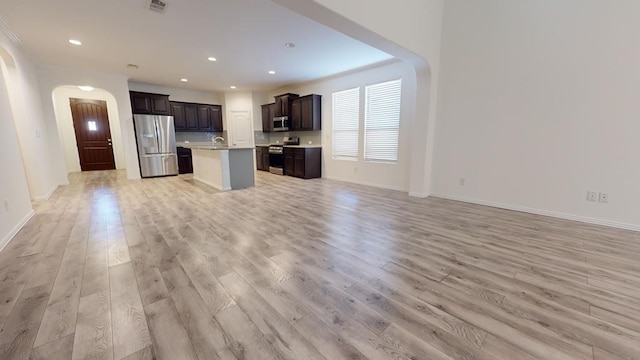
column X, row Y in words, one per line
column 156, row 138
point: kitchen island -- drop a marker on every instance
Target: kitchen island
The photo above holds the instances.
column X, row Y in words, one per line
column 224, row 168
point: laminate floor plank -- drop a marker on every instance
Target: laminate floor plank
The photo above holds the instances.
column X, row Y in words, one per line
column 170, row 340
column 93, row 335
column 111, row 268
column 20, row 329
column 55, row 350
column 130, row 330
column 207, row 337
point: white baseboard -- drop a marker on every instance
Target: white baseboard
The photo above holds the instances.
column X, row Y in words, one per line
column 48, row 195
column 559, row 215
column 418, row 194
column 365, row 183
column 15, row 230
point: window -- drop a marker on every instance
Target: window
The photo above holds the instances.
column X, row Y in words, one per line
column 92, row 125
column 346, row 120
column 382, row 121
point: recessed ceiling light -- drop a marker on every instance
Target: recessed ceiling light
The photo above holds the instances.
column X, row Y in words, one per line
column 233, row 87
column 86, row 87
column 271, row 72
column 290, row 45
column 184, row 80
column 212, row 59
column 75, row 42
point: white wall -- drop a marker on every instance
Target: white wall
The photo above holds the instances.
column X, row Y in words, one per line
column 51, row 78
column 539, row 102
column 392, row 176
column 15, row 205
column 33, row 134
column 62, row 109
column 179, row 94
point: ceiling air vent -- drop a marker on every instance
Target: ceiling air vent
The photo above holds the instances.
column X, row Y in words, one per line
column 157, row 6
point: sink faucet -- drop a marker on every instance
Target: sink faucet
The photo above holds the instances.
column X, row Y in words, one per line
column 216, row 139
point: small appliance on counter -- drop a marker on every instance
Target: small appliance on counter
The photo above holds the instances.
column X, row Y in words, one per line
column 291, row 140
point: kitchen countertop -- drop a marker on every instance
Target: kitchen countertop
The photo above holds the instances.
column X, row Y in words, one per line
column 206, row 145
column 303, row 146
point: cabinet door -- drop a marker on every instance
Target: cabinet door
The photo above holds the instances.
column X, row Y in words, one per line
column 296, row 115
column 272, row 114
column 185, row 164
column 140, row 103
column 289, row 166
column 177, row 111
column 191, row 116
column 160, row 105
column 215, row 116
column 306, row 110
column 278, row 107
column 265, row 160
column 259, row 150
column 299, row 163
column 267, row 120
column 204, row 120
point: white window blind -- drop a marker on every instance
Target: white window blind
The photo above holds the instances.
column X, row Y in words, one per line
column 382, row 121
column 346, row 119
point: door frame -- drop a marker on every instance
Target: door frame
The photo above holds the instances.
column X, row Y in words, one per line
column 104, row 104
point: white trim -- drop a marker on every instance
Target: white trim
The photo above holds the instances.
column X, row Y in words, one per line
column 554, row 214
column 418, row 194
column 365, row 183
column 48, row 195
column 15, row 230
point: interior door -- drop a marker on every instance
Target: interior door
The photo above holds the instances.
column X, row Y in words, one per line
column 93, row 136
column 240, row 128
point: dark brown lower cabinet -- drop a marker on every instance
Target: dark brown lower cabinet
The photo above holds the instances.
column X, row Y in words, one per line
column 305, row 163
column 185, row 163
column 262, row 158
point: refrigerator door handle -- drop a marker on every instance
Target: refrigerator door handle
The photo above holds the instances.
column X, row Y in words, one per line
column 156, row 127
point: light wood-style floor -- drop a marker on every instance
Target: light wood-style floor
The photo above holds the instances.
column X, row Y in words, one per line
column 171, row 269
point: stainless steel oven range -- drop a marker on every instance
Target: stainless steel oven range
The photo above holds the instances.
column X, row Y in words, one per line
column 276, row 159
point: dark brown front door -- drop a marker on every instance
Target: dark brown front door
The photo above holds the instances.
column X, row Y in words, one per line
column 93, row 136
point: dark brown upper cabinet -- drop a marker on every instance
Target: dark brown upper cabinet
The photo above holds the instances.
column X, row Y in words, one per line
column 148, row 103
column 306, row 113
column 179, row 120
column 283, row 104
column 196, row 117
column 215, row 116
column 268, row 111
column 204, row 118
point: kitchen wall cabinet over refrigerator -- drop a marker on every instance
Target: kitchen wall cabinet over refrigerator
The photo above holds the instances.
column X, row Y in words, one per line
column 147, row 103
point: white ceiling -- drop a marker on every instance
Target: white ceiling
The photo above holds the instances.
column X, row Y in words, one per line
column 246, row 36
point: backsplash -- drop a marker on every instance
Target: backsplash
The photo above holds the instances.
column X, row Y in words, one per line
column 198, row 136
column 261, row 138
column 305, row 136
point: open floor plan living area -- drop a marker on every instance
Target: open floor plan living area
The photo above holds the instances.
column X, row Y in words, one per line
column 319, row 180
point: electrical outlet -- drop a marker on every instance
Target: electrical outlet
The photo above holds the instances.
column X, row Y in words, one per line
column 592, row 196
column 6, row 205
column 604, row 198
column 461, row 181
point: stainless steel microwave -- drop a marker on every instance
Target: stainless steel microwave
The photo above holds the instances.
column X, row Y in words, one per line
column 281, row 123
